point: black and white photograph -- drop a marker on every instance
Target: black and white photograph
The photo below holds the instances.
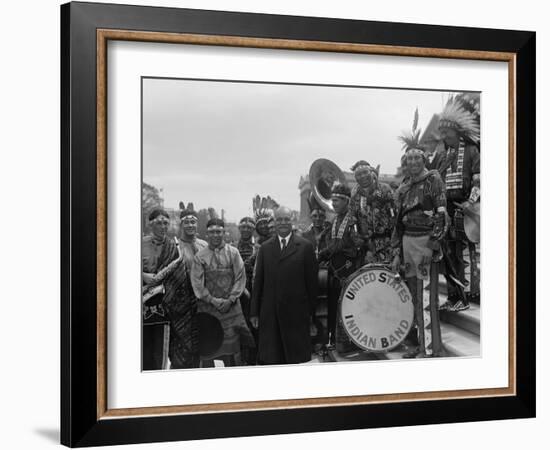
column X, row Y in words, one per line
column 307, row 224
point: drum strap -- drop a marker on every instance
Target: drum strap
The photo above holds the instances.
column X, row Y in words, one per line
column 335, row 271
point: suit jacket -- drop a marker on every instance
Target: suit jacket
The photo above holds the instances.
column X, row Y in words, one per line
column 283, row 297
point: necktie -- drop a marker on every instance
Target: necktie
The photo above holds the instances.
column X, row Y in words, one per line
column 283, row 244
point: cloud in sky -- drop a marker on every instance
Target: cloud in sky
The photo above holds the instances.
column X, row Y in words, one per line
column 220, row 143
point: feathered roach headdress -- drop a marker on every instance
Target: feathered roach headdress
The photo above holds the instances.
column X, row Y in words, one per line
column 263, row 208
column 341, row 190
column 247, row 221
column 362, row 164
column 457, row 117
column 187, row 211
column 212, row 214
column 411, row 139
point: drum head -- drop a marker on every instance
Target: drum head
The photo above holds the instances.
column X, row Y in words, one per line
column 210, row 334
column 472, row 223
column 376, row 309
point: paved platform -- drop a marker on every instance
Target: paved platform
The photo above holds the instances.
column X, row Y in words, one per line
column 460, row 332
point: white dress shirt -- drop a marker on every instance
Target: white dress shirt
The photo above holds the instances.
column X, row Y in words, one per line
column 286, row 238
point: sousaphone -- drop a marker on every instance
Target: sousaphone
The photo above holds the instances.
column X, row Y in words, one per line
column 323, row 174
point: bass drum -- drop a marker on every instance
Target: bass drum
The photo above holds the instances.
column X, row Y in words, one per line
column 376, row 308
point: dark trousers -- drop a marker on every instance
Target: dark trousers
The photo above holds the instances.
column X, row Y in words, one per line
column 248, row 354
column 456, row 254
column 456, row 244
column 155, row 346
column 334, row 288
column 335, row 328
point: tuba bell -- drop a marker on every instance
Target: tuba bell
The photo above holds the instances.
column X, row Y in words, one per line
column 323, row 173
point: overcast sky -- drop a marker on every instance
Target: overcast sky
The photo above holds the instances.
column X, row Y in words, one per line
column 220, row 143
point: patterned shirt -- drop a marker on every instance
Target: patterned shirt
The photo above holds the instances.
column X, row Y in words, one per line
column 374, row 210
column 224, row 260
column 418, row 201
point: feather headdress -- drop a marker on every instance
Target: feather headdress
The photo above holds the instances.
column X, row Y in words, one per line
column 341, row 190
column 263, row 208
column 187, row 211
column 212, row 214
column 411, row 139
column 470, row 101
column 457, row 117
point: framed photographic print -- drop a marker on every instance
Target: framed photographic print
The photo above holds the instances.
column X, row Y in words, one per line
column 277, row 224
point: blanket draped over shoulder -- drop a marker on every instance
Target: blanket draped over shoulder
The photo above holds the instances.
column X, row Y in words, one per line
column 181, row 306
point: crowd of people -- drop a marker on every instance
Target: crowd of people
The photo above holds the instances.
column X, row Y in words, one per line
column 263, row 292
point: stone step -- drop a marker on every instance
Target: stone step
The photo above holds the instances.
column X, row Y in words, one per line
column 443, row 285
column 457, row 342
column 468, row 320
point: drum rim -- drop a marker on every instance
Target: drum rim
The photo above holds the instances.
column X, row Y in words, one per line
column 365, row 268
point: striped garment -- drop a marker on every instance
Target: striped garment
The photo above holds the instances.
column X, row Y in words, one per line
column 454, row 178
column 180, row 305
column 338, row 232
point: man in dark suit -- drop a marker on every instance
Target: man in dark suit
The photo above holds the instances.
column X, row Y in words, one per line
column 284, row 295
